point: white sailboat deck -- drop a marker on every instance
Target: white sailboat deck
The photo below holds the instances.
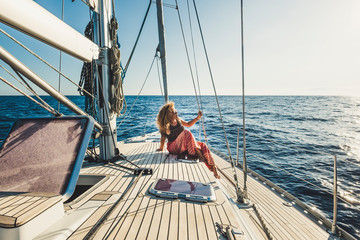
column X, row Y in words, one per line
column 119, row 206
column 140, row 215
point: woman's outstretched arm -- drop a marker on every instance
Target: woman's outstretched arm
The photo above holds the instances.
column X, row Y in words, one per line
column 192, row 122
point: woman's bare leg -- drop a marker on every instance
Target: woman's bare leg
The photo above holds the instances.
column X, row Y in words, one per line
column 199, row 154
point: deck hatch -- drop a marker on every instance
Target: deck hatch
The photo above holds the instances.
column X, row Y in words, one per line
column 44, row 154
column 192, row 191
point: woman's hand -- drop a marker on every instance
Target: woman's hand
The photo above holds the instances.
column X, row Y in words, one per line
column 192, row 122
column 199, row 115
column 159, row 149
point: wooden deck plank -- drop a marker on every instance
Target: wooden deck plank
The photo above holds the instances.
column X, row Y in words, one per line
column 215, row 217
column 141, row 209
column 6, row 198
column 36, row 209
column 167, row 171
column 200, row 222
column 165, row 220
column 22, row 204
column 285, row 218
column 191, row 221
column 183, row 224
column 186, row 173
column 292, row 215
column 5, row 207
column 129, row 208
column 180, row 171
column 83, row 230
column 136, row 228
column 117, row 214
column 155, row 224
column 123, row 227
column 147, row 219
column 30, row 206
column 15, row 205
column 174, row 220
column 136, row 225
column 209, row 223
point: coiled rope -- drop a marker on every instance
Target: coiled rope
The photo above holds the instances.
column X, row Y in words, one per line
column 87, row 78
column 117, row 97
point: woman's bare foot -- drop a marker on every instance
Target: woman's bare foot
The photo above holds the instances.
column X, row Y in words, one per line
column 214, row 170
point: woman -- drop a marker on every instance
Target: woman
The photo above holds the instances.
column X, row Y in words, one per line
column 181, row 140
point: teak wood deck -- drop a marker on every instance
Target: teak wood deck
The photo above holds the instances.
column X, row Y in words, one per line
column 140, row 215
column 124, row 209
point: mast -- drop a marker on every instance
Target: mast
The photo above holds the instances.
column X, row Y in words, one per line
column 161, row 47
column 108, row 139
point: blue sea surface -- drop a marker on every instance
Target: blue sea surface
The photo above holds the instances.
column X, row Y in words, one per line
column 291, row 140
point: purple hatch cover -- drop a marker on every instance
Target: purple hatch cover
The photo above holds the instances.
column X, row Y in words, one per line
column 39, row 155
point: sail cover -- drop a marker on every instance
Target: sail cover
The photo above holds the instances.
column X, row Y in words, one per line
column 44, row 154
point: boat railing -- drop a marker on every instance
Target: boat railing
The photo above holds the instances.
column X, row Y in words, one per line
column 333, row 192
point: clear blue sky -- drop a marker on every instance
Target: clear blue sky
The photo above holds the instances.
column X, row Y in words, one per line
column 292, row 47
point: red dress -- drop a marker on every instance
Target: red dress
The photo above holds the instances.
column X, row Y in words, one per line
column 185, row 141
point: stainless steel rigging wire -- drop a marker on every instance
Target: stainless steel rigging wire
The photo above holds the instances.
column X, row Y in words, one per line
column 159, row 77
column 51, row 110
column 60, row 56
column 137, row 38
column 26, row 48
column 187, row 54
column 243, row 100
column 238, row 192
column 30, row 89
column 147, row 76
column 197, row 75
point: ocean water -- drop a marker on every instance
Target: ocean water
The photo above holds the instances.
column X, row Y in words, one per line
column 291, row 140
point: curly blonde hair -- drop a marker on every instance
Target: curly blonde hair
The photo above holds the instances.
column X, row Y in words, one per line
column 163, row 118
